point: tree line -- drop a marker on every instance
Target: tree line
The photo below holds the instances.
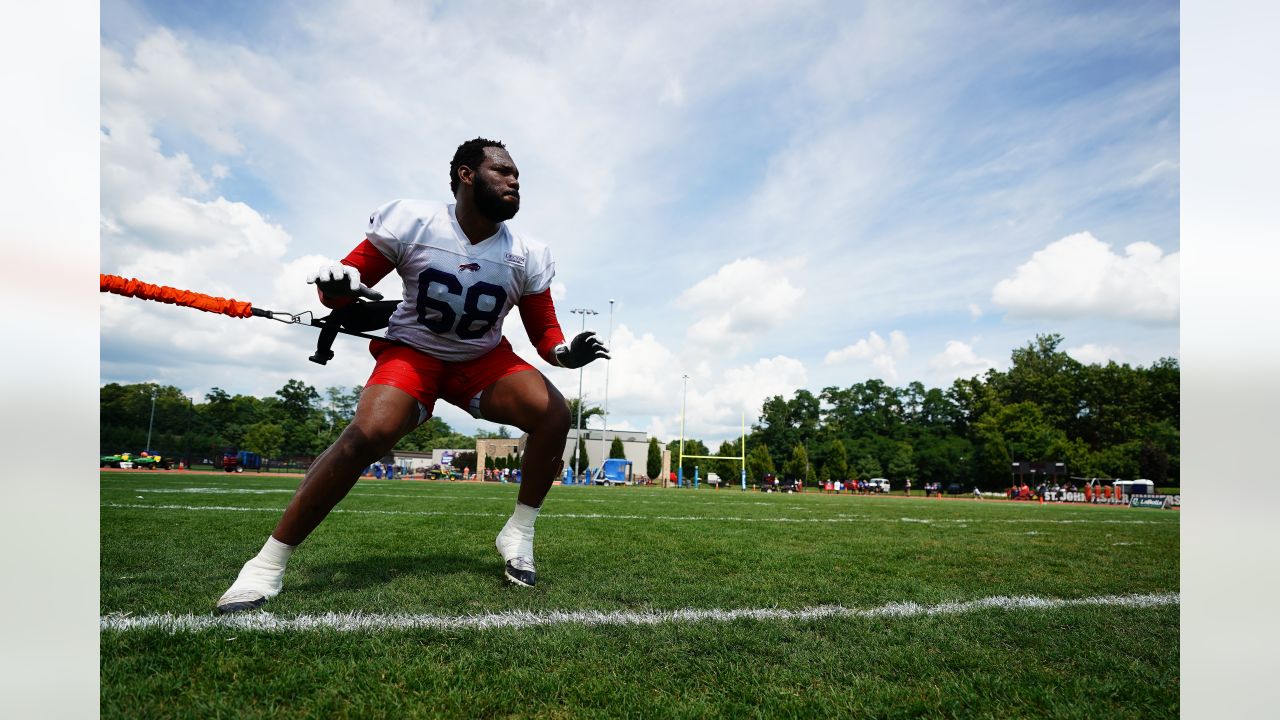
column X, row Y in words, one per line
column 296, row 422
column 1105, row 421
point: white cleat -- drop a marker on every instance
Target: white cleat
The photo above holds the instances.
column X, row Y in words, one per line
column 520, row 572
column 516, row 548
column 258, row 582
column 234, row 601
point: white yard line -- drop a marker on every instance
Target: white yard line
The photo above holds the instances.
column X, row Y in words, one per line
column 674, row 518
column 214, row 491
column 359, row 491
column 231, row 508
column 290, row 491
column 360, row 622
column 374, row 488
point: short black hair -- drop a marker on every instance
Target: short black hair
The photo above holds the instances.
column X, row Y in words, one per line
column 471, row 154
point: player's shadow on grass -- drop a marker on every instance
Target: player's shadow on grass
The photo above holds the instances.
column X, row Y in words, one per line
column 381, row 570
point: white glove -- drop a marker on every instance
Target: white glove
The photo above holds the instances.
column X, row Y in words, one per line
column 338, row 280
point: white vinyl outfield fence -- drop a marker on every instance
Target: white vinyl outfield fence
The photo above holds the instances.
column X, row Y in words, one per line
column 361, row 622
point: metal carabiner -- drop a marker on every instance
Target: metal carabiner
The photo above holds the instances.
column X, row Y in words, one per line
column 303, row 318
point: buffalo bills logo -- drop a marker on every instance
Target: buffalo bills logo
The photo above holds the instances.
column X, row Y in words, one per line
column 473, row 267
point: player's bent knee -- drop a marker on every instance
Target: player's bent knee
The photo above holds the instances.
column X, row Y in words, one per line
column 556, row 415
column 559, row 421
column 545, row 421
column 528, row 401
column 554, row 419
column 370, row 440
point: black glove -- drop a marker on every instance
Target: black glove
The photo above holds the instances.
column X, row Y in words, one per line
column 584, row 348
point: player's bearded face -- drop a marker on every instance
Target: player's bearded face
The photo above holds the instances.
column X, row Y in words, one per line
column 491, row 203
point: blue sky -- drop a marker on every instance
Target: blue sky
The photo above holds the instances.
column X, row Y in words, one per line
column 786, row 195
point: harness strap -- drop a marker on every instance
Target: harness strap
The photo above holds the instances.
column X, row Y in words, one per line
column 354, row 319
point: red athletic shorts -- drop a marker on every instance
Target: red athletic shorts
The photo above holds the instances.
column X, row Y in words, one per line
column 427, row 378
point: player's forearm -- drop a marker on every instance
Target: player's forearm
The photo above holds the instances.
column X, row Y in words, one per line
column 538, row 313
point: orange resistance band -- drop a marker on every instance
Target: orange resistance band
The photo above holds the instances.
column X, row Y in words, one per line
column 130, row 287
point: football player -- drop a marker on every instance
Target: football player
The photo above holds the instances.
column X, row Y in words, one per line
column 463, row 269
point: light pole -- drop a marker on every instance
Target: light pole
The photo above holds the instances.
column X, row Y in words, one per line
column 806, row 462
column 605, row 429
column 152, row 421
column 577, row 440
column 680, row 465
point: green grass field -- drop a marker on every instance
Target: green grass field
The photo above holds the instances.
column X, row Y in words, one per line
column 808, row 605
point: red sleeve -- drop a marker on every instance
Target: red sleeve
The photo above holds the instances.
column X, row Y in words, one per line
column 372, row 265
column 538, row 314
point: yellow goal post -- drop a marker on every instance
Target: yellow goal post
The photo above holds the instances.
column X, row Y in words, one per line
column 740, row 459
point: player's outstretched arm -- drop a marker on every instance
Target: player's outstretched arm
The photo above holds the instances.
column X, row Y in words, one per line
column 583, row 349
column 539, row 315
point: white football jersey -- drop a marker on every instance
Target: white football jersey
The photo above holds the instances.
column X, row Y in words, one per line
column 456, row 294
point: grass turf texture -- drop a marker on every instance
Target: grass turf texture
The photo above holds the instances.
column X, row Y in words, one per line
column 653, row 550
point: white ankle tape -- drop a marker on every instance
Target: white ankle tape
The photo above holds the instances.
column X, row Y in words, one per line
column 276, row 552
column 524, row 516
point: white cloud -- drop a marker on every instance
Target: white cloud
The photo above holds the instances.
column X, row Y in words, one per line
column 873, row 349
column 161, row 219
column 673, row 92
column 866, row 151
column 646, row 381
column 153, row 232
column 232, row 230
column 1092, row 354
column 718, row 398
column 958, row 360
column 1156, row 172
column 644, row 375
column 1080, row 276
column 165, row 81
column 270, row 118
column 739, row 303
column 163, row 222
column 898, row 345
column 231, row 166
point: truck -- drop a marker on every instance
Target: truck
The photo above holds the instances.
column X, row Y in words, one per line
column 126, row 461
column 230, row 462
column 146, row 460
column 121, row 460
column 615, row 472
column 237, row 461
